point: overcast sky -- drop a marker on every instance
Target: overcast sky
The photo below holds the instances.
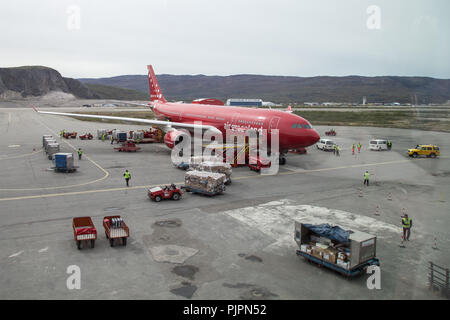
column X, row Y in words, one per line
column 224, row 37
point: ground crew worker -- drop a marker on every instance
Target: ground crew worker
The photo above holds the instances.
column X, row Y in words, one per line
column 389, row 145
column 406, row 224
column 127, row 176
column 359, row 147
column 80, row 153
column 337, row 150
column 112, row 139
column 353, row 149
column 103, row 137
column 334, row 149
column 60, row 134
column 137, row 140
column 366, row 178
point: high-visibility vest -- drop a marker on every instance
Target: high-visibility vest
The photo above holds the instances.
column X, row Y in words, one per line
column 366, row 176
column 80, row 152
column 406, row 222
column 127, row 175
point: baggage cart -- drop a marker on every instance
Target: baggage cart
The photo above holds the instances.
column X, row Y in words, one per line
column 84, row 231
column 116, row 230
column 348, row 252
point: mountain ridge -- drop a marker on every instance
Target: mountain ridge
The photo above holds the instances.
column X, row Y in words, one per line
column 288, row 89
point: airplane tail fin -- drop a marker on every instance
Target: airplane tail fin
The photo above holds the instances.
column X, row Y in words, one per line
column 155, row 91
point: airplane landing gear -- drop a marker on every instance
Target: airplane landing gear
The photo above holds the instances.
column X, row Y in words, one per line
column 282, row 160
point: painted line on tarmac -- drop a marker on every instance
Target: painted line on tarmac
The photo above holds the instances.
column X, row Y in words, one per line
column 22, row 155
column 51, row 195
column 67, row 186
column 300, row 171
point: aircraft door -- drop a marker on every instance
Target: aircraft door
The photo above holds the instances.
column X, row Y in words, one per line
column 274, row 123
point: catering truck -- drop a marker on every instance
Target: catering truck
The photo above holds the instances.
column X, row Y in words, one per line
column 348, row 252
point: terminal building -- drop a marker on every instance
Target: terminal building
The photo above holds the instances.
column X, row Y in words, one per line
column 245, row 102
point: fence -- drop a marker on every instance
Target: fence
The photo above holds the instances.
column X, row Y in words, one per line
column 438, row 279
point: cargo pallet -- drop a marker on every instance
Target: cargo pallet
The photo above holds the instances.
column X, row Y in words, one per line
column 349, row 273
column 194, row 190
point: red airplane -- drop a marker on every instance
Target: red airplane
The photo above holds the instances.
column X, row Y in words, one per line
column 294, row 131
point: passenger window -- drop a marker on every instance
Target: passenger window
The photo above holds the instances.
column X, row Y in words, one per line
column 294, row 126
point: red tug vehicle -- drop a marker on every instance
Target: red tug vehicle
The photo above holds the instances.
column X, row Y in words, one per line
column 330, row 132
column 71, row 135
column 128, row 146
column 167, row 192
column 86, row 136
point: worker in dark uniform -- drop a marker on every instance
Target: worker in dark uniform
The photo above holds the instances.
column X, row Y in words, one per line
column 406, row 224
column 80, row 153
column 127, row 176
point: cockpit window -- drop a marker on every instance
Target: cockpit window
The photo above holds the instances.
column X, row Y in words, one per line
column 299, row 126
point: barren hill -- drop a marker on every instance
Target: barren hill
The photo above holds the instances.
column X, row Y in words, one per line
column 290, row 89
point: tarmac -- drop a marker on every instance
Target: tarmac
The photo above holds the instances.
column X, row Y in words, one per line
column 239, row 245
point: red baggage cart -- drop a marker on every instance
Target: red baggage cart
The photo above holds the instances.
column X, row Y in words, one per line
column 116, row 229
column 84, row 231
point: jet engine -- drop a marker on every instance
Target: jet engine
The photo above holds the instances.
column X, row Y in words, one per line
column 174, row 137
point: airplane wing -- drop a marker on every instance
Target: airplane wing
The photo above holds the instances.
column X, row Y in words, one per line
column 164, row 125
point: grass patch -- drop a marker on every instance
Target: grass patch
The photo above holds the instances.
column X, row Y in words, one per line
column 387, row 119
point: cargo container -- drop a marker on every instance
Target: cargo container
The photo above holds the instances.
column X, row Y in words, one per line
column 120, row 136
column 44, row 137
column 64, row 162
column 48, row 141
column 348, row 252
column 51, row 149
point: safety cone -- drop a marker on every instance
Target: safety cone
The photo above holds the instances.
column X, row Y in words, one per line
column 360, row 193
column 377, row 211
column 435, row 244
column 402, row 244
column 390, row 196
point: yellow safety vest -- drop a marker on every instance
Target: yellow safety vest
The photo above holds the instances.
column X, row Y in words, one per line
column 406, row 222
column 366, row 176
column 127, row 175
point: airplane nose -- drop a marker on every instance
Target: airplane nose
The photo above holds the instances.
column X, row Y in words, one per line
column 314, row 136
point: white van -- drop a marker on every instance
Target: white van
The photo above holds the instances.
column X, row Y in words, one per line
column 378, row 145
column 325, row 144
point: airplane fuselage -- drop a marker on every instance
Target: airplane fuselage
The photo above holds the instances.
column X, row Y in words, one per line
column 294, row 131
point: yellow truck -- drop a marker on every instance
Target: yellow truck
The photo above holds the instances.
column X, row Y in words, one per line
column 427, row 150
